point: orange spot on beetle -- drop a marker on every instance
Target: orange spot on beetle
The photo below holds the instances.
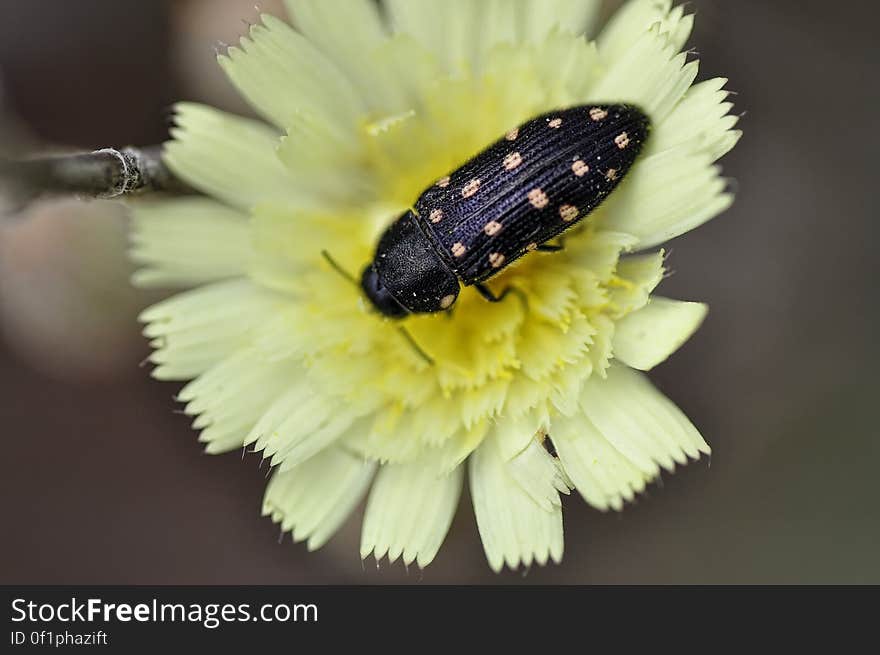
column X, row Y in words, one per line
column 568, row 213
column 538, row 198
column 470, row 188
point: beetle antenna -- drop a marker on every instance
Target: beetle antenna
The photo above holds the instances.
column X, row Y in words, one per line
column 415, row 346
column 406, row 335
column 336, row 267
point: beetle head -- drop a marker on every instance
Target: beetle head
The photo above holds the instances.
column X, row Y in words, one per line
column 407, row 275
column 379, row 295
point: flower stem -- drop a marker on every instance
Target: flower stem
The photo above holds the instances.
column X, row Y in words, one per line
column 107, row 173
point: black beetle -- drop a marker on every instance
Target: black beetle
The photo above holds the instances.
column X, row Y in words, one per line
column 531, row 185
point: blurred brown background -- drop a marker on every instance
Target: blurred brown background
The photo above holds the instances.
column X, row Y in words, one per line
column 102, row 482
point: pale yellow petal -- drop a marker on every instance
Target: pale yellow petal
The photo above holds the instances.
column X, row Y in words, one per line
column 196, row 329
column 392, row 437
column 450, row 30
column 566, row 384
column 302, row 422
column 638, row 16
column 326, row 163
column 636, row 277
column 282, row 73
column 647, row 337
column 599, row 252
column 538, row 474
column 651, row 74
column 290, row 242
column 228, row 399
column 568, row 67
column 412, row 66
column 667, row 194
column 600, row 347
column 409, row 512
column 314, row 499
column 462, row 33
column 639, row 422
column 515, row 432
column 188, row 241
column 702, row 121
column 230, row 158
column 515, row 529
column 601, row 474
column 349, row 33
column 627, row 430
column 542, row 17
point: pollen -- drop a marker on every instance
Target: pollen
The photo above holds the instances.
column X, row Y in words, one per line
column 511, row 136
column 436, row 215
column 470, row 188
column 492, row 228
column 555, row 123
column 512, row 160
column 580, row 168
column 538, row 198
column 568, row 213
column 598, row 114
column 622, row 140
column 458, row 249
column 496, row 259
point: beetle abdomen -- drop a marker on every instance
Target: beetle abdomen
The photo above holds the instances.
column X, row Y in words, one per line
column 532, row 184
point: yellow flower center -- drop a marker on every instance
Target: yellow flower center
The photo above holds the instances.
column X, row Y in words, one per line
column 526, row 355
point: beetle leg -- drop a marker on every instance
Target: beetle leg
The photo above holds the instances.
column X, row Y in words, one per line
column 552, row 247
column 487, row 293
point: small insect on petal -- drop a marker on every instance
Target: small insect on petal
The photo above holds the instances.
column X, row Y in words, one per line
column 443, row 182
column 496, row 259
column 598, row 114
column 458, row 249
column 622, row 140
column 436, row 215
column 538, row 198
column 568, row 212
column 611, row 175
column 446, row 301
column 512, row 160
column 470, row 188
column 555, row 123
column 511, row 136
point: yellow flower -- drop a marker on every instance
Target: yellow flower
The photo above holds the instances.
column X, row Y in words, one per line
column 361, row 115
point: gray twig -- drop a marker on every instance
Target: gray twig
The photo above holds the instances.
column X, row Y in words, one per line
column 107, row 173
